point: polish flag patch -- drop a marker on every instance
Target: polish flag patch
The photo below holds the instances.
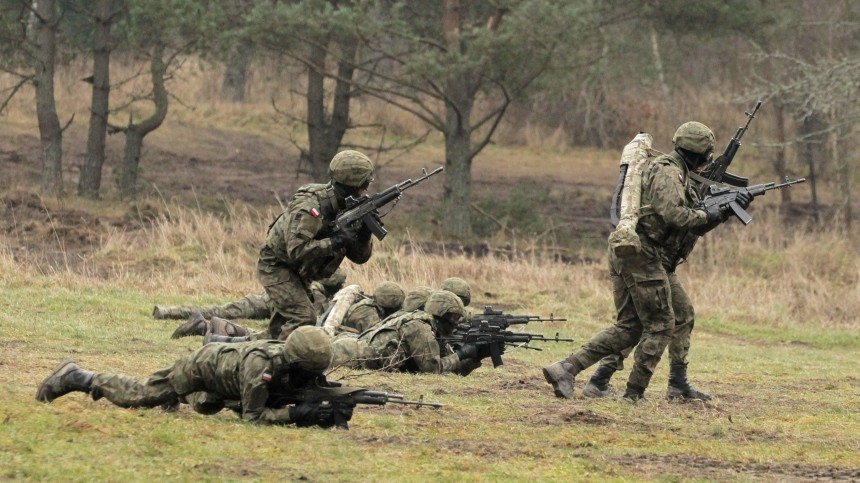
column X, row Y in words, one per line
column 680, row 178
column 266, row 377
column 315, row 213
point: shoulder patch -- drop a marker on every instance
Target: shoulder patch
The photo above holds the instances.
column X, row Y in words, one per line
column 315, row 212
column 680, row 178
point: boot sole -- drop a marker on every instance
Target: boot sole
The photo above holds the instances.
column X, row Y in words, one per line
column 41, row 393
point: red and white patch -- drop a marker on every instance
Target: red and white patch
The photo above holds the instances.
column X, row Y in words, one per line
column 315, row 212
column 266, row 377
column 681, row 177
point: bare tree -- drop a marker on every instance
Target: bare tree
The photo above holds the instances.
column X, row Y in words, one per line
column 102, row 15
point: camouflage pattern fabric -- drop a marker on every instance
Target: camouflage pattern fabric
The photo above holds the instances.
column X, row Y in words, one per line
column 298, row 249
column 363, row 315
column 255, row 306
column 643, row 283
column 240, row 372
column 404, row 343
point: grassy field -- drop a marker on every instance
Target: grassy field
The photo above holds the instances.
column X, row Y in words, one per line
column 776, row 339
column 784, row 374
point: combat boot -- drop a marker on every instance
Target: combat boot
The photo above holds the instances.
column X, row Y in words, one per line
column 634, row 393
column 160, row 312
column 195, row 325
column 561, row 375
column 66, row 378
column 598, row 385
column 220, row 326
column 212, row 337
column 679, row 388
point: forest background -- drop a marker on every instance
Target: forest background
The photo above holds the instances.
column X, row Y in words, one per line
column 203, row 117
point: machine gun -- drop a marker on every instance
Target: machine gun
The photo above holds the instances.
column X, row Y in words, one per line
column 716, row 171
column 495, row 317
column 335, row 396
column 492, row 340
column 365, row 208
column 723, row 196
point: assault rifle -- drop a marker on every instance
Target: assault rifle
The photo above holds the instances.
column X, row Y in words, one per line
column 727, row 196
column 502, row 320
column 716, row 171
column 335, row 396
column 492, row 340
column 365, row 208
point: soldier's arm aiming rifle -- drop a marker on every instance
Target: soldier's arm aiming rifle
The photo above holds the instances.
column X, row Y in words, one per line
column 338, row 397
column 365, row 209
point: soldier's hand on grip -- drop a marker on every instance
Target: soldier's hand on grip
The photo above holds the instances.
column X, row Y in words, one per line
column 744, row 199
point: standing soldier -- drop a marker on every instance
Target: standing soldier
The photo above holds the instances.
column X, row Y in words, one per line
column 302, row 245
column 649, row 298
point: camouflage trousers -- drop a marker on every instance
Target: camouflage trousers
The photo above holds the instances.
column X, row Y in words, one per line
column 290, row 299
column 679, row 346
column 164, row 386
column 642, row 292
column 255, row 306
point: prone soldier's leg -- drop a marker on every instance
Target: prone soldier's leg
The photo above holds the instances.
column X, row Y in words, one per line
column 129, row 392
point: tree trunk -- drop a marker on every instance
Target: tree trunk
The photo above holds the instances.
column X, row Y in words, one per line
column 90, row 181
column 811, row 151
column 779, row 162
column 457, row 187
column 51, row 135
column 236, row 74
column 316, row 110
column 343, row 95
column 134, row 133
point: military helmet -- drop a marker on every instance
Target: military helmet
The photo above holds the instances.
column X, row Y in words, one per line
column 389, row 296
column 351, row 168
column 694, row 137
column 310, row 347
column 458, row 287
column 416, row 298
column 442, row 302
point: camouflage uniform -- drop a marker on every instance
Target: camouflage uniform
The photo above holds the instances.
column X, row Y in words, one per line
column 211, row 375
column 645, row 287
column 300, row 247
column 368, row 312
column 405, row 343
column 254, row 307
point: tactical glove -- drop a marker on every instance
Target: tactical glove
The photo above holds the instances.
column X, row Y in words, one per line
column 744, row 199
column 716, row 214
column 468, row 351
column 310, row 414
column 344, row 237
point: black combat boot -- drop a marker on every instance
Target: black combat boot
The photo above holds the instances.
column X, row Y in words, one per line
column 598, row 385
column 634, row 393
column 66, row 378
column 561, row 375
column 679, row 388
column 195, row 325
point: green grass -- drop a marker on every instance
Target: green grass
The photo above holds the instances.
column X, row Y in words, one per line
column 781, row 409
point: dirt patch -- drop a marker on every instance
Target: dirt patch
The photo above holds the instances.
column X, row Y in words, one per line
column 554, row 415
column 695, row 466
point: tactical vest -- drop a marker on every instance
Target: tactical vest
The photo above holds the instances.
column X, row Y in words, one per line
column 385, row 340
column 651, row 226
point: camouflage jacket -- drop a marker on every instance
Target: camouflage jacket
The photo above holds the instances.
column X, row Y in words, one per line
column 363, row 315
column 243, row 372
column 668, row 213
column 300, row 237
column 408, row 343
